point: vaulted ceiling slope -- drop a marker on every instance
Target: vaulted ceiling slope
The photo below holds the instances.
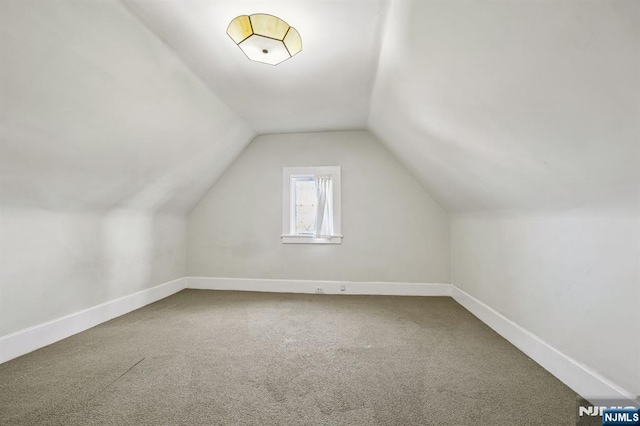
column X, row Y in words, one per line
column 325, row 87
column 513, row 104
column 98, row 113
column 491, row 104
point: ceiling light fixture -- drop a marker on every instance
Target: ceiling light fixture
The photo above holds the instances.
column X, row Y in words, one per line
column 265, row 38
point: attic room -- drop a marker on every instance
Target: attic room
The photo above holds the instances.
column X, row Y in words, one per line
column 327, row 212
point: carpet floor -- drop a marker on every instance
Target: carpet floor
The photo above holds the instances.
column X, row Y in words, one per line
column 238, row 358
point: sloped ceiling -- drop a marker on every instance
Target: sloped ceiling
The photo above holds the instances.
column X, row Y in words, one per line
column 513, row 104
column 491, row 104
column 325, row 87
column 98, row 114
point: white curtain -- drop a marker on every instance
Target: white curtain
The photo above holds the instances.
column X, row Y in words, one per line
column 324, row 216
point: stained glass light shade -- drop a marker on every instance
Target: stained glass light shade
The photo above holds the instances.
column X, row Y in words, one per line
column 265, row 38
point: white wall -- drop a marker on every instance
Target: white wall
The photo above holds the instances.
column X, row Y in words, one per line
column 572, row 278
column 393, row 231
column 57, row 263
column 528, row 106
column 106, row 141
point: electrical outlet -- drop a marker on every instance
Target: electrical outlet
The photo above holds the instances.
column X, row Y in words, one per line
column 319, row 290
column 343, row 287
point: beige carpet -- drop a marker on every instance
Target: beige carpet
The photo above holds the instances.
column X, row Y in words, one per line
column 235, row 358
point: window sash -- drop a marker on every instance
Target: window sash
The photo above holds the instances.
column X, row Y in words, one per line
column 294, row 204
column 289, row 234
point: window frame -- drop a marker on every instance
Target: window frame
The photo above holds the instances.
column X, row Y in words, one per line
column 288, row 208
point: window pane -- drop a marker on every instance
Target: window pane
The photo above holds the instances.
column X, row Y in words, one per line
column 306, row 202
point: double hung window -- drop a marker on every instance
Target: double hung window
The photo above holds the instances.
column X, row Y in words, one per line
column 311, row 205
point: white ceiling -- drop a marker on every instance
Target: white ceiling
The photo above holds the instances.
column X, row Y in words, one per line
column 491, row 104
column 96, row 113
column 325, row 87
column 508, row 105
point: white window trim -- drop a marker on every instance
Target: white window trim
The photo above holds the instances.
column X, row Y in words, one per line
column 288, row 237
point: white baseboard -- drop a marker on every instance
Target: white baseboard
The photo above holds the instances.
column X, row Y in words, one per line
column 578, row 377
column 328, row 287
column 32, row 338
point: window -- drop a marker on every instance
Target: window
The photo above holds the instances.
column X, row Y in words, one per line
column 311, row 205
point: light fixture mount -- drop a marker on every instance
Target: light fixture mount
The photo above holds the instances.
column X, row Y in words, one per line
column 265, row 38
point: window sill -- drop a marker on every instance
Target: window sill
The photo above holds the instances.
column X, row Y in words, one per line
column 304, row 239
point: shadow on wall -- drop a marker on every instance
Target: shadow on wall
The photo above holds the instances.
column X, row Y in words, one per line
column 127, row 239
column 179, row 188
column 55, row 263
column 141, row 250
